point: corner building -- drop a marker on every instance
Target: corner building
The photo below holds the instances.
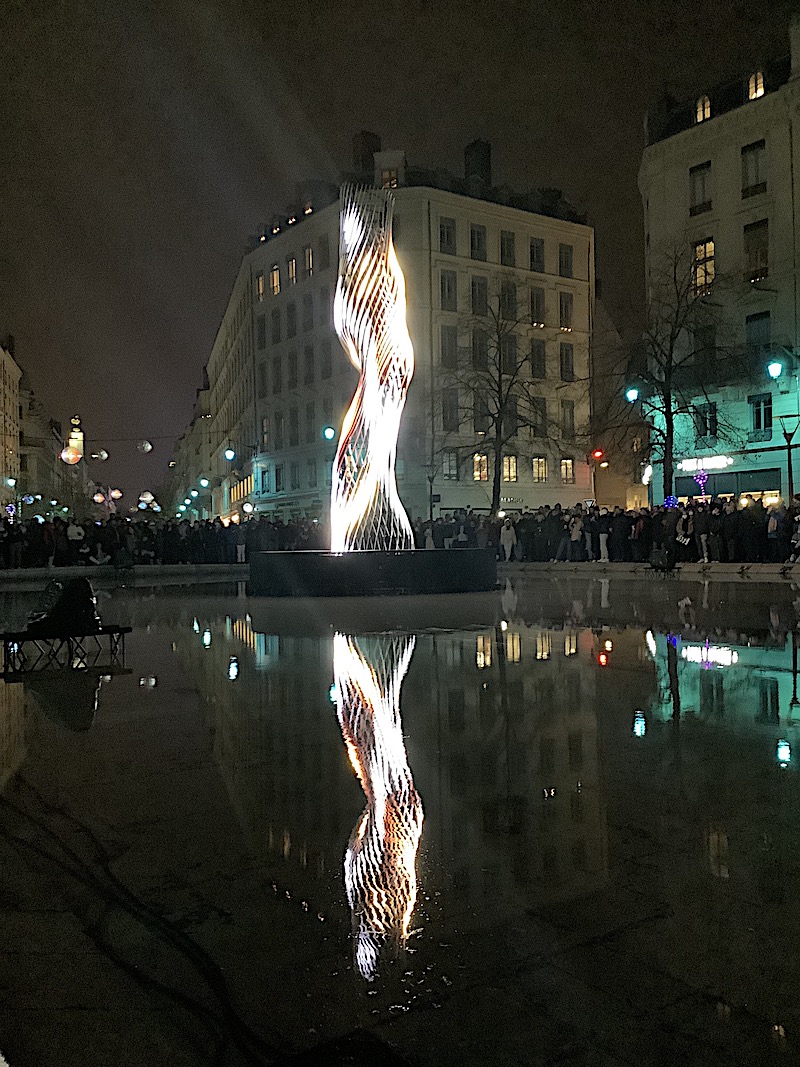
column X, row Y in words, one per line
column 279, row 382
column 720, row 178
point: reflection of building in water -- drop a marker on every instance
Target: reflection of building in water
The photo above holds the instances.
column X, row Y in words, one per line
column 12, row 730
column 501, row 733
column 380, row 863
column 508, row 761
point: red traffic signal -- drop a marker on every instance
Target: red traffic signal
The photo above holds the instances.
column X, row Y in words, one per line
column 598, row 453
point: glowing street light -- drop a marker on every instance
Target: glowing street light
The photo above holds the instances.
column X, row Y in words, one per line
column 11, row 482
column 775, row 369
column 229, row 454
column 632, row 394
column 204, row 483
column 187, row 500
column 116, row 494
column 328, row 433
column 181, row 507
column 193, row 493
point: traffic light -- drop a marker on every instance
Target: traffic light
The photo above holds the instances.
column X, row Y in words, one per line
column 598, row 454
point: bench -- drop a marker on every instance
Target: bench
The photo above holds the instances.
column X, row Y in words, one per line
column 26, row 651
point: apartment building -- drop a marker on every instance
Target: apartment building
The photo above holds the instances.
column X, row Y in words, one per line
column 10, row 374
column 719, row 178
column 493, row 280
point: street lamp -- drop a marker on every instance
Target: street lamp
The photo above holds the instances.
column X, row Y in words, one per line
column 775, row 369
column 204, row 483
column 328, row 432
column 632, row 394
column 229, row 454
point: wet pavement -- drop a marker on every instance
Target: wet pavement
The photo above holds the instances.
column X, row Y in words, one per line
column 559, row 824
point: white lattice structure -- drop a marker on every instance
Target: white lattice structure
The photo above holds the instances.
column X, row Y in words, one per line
column 380, row 862
column 369, row 314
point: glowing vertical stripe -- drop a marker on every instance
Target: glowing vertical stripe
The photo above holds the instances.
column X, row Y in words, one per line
column 369, row 313
column 380, row 862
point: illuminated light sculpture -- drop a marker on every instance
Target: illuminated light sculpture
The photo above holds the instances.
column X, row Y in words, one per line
column 369, row 313
column 701, row 478
column 380, row 862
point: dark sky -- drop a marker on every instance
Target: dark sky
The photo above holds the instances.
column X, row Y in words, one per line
column 140, row 143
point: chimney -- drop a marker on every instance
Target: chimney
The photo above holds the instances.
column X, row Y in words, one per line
column 365, row 145
column 794, row 44
column 478, row 163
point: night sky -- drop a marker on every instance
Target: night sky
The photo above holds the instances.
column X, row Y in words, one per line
column 140, row 144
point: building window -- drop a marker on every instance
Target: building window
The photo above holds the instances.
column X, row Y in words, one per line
column 756, row 251
column 508, row 354
column 511, row 417
column 538, row 358
column 567, row 356
column 308, row 261
column 389, row 178
column 508, row 253
column 449, row 290
column 568, row 419
column 264, row 480
column 480, row 467
column 537, row 254
column 291, row 375
column 325, row 361
column 450, row 419
column 757, row 331
column 294, row 430
column 480, row 413
column 447, row 236
column 703, row 266
column 260, row 286
column 565, row 311
column 755, row 85
column 700, row 188
column 567, row 470
column 294, row 474
column 291, row 270
column 324, row 306
column 278, row 424
column 309, row 367
column 565, row 257
column 291, row 319
column 539, row 466
column 279, row 478
column 537, row 306
column 275, row 279
column 311, row 473
column 324, row 252
column 477, row 242
column 480, row 295
column 705, row 420
column 262, row 380
column 483, row 651
column 538, row 416
column 754, row 169
column 448, row 342
column 509, row 468
column 276, row 325
column 450, row 465
column 760, row 417
column 261, row 332
column 508, row 298
column 702, row 109
column 480, row 350
column 277, row 375
column 308, row 311
column 311, row 423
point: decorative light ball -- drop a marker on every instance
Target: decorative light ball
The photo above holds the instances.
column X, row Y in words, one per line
column 204, row 483
column 27, row 499
column 142, row 506
column 99, row 498
column 145, row 446
column 193, row 493
column 156, row 507
column 247, row 507
column 181, row 507
column 70, row 456
column 146, row 496
column 116, row 494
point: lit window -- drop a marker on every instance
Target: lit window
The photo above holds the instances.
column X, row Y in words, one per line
column 513, row 647
column 480, row 467
column 389, row 178
column 543, row 646
column 570, row 644
column 703, row 266
column 755, row 85
column 275, row 279
column 539, row 464
column 291, row 268
column 259, row 287
column 568, row 471
column 483, row 651
column 702, row 109
column 308, row 261
column 509, row 468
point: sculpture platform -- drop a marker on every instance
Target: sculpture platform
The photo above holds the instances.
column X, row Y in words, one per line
column 329, row 574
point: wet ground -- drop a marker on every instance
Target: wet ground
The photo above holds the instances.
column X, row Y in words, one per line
column 555, row 825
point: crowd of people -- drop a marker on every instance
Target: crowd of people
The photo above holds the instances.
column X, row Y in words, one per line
column 727, row 531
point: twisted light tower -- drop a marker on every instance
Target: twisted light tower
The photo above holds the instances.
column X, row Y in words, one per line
column 380, row 862
column 369, row 313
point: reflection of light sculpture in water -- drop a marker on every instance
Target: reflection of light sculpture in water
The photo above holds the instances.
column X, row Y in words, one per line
column 380, row 862
column 369, row 313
